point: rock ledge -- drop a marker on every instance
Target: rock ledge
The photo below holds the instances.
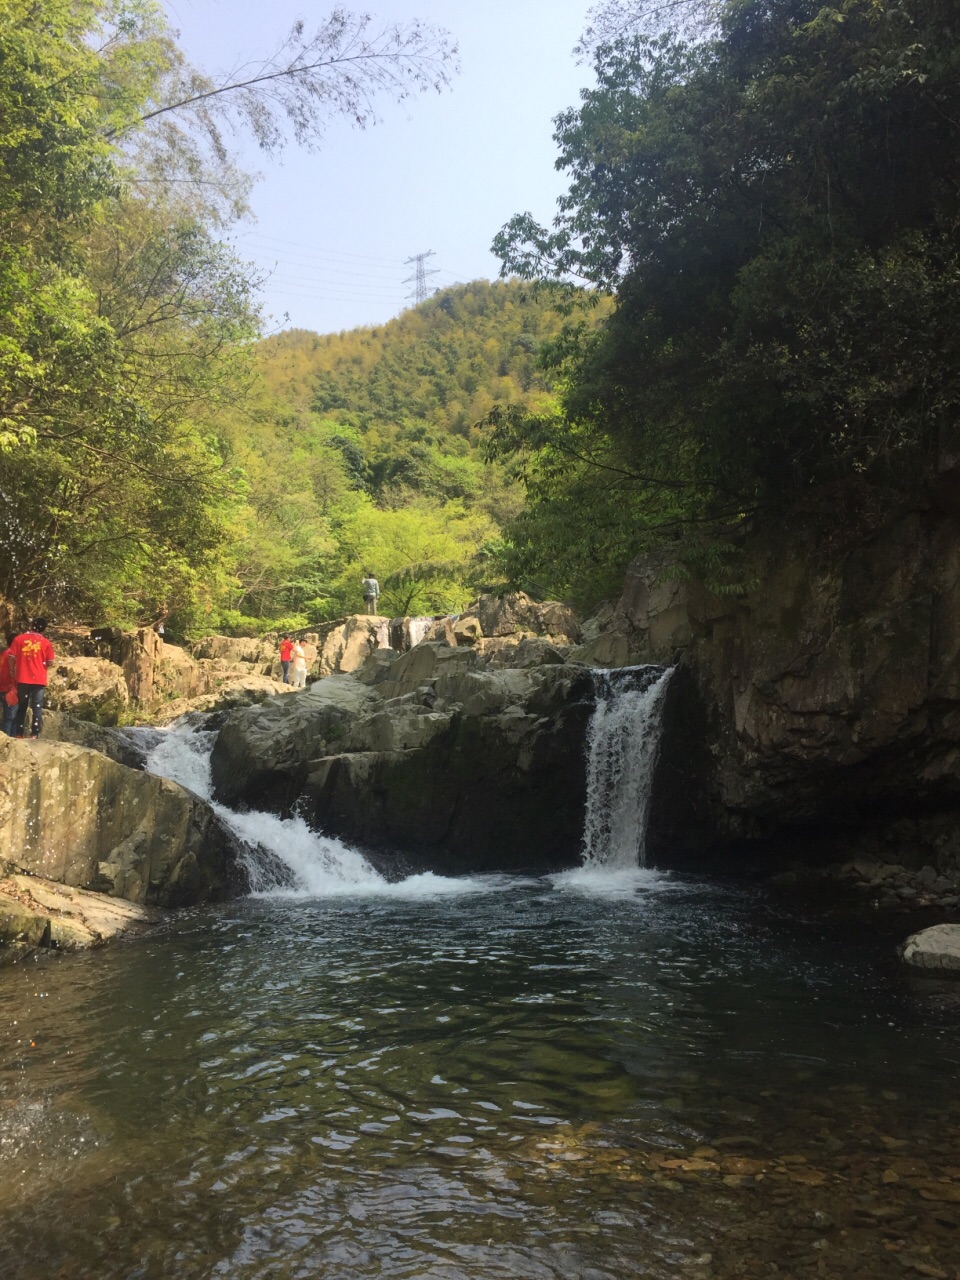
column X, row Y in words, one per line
column 35, row 912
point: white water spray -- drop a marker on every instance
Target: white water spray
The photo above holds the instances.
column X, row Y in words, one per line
column 284, row 857
column 622, row 748
column 417, row 628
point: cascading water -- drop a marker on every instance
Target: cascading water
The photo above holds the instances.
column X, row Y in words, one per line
column 622, row 745
column 283, row 856
column 418, row 628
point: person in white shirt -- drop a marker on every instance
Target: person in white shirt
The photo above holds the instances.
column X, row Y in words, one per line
column 299, row 666
column 371, row 593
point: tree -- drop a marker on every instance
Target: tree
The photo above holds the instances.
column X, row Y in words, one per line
column 777, row 211
column 340, row 70
column 423, row 556
column 125, row 323
column 611, row 20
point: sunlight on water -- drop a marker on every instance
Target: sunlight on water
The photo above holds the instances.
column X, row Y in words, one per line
column 664, row 1082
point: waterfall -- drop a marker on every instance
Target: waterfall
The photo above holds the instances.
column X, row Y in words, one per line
column 283, row 856
column 622, row 747
column 418, row 628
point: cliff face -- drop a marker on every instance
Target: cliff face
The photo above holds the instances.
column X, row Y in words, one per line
column 824, row 697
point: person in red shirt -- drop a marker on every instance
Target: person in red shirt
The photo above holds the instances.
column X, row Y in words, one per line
column 30, row 656
column 286, row 653
column 8, row 710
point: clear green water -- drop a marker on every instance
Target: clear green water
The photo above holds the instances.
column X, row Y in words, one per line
column 496, row 1084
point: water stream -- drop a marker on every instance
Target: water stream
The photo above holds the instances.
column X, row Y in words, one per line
column 284, row 856
column 621, row 754
column 419, row 628
column 602, row 1075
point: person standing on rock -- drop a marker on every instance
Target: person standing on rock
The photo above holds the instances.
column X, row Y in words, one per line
column 30, row 657
column 8, row 688
column 371, row 593
column 299, row 666
column 286, row 653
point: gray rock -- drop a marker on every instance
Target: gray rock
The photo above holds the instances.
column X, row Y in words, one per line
column 822, row 696
column 75, row 816
column 35, row 912
column 432, row 755
column 935, row 948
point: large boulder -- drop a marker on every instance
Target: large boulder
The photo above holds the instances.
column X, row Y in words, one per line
column 75, row 816
column 140, row 653
column 58, row 726
column 498, row 624
column 153, row 671
column 433, row 755
column 515, row 614
column 89, row 689
column 935, row 948
column 821, row 698
column 261, row 753
column 176, row 674
column 35, row 912
column 235, row 688
column 258, row 652
column 345, row 646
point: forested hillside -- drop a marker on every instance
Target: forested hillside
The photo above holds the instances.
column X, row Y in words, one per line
column 159, row 460
column 768, row 192
column 127, row 323
column 361, row 451
column 772, row 190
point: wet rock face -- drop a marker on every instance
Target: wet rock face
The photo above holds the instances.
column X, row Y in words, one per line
column 77, row 817
column 433, row 755
column 828, row 689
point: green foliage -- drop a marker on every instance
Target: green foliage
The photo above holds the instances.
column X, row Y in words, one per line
column 126, row 323
column 777, row 210
column 360, row 454
column 120, row 323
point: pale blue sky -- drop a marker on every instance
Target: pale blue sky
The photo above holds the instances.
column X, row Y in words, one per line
column 441, row 172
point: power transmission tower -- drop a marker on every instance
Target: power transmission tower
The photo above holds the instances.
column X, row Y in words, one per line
column 419, row 277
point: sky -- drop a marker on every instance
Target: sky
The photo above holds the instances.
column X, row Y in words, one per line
column 334, row 228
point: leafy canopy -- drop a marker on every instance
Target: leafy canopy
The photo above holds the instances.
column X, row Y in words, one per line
column 126, row 323
column 776, row 207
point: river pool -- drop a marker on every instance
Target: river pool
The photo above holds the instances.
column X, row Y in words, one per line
column 587, row 1077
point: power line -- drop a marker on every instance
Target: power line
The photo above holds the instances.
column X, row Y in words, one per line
column 323, row 272
column 311, row 250
column 384, row 290
column 315, row 296
column 419, row 277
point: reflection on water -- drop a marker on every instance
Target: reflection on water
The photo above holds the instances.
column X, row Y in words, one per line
column 535, row 1081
